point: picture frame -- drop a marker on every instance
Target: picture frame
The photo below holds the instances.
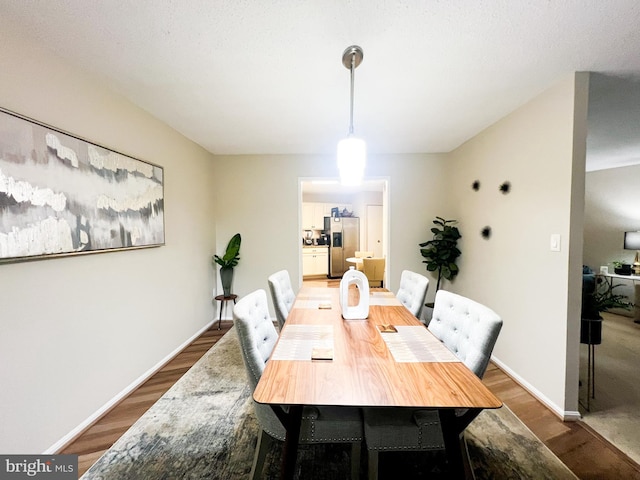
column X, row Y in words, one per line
column 63, row 195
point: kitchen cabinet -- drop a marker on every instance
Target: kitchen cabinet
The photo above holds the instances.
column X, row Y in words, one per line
column 315, row 261
column 313, row 215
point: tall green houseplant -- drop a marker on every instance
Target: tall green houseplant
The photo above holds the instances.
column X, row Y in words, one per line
column 442, row 250
column 229, row 260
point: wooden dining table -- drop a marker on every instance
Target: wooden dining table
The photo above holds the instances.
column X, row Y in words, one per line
column 321, row 359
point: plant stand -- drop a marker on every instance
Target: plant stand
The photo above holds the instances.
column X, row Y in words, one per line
column 223, row 304
column 591, row 335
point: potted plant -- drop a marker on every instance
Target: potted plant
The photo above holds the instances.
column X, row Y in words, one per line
column 229, row 260
column 598, row 296
column 442, row 250
column 621, row 268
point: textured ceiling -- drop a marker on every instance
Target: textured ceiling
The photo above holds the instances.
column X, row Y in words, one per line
column 247, row 77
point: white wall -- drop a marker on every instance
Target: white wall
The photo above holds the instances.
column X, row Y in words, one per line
column 361, row 201
column 264, row 197
column 514, row 272
column 611, row 208
column 76, row 331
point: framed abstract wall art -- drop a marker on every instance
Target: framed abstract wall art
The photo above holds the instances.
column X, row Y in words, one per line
column 61, row 195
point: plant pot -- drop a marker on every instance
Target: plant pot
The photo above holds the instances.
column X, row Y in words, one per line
column 624, row 269
column 591, row 331
column 226, row 278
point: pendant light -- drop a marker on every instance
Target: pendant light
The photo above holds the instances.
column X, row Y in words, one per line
column 352, row 151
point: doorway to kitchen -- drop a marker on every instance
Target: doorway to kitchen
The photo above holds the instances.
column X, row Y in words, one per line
column 335, row 221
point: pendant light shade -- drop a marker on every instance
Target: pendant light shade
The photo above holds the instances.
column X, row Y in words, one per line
column 352, row 157
column 352, row 151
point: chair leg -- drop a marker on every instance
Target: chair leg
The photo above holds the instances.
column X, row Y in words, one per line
column 373, row 465
column 356, row 449
column 262, row 447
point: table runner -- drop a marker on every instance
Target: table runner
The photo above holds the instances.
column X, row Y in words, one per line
column 416, row 344
column 320, row 299
column 385, row 299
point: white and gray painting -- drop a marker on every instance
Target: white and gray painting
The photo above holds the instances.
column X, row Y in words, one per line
column 60, row 194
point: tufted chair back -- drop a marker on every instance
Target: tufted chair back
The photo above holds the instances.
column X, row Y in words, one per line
column 412, row 291
column 282, row 295
column 256, row 333
column 257, row 337
column 467, row 328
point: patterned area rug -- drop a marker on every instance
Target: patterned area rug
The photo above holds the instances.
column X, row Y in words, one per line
column 204, row 427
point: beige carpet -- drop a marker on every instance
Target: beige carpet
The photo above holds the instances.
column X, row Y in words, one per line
column 614, row 410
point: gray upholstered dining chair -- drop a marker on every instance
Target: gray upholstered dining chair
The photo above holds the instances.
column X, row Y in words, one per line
column 282, row 295
column 470, row 330
column 412, row 291
column 258, row 337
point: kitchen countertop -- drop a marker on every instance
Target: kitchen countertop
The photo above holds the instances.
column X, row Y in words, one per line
column 315, row 246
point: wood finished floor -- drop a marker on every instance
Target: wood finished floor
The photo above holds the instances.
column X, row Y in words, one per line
column 98, row 438
column 587, row 454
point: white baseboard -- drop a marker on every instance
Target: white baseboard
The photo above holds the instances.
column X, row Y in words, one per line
column 80, row 429
column 565, row 415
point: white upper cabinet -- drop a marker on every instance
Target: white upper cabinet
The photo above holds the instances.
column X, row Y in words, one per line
column 313, row 216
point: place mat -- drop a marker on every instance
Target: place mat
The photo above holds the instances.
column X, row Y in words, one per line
column 298, row 342
column 314, row 291
column 385, row 299
column 416, row 344
column 313, row 298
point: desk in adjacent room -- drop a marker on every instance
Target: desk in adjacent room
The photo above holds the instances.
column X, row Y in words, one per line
column 635, row 279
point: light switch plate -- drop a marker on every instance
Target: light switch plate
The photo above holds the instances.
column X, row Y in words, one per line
column 555, row 242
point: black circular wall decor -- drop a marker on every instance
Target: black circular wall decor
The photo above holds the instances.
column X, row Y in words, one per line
column 486, row 232
column 505, row 187
column 476, row 185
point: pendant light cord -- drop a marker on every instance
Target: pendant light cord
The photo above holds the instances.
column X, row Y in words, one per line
column 353, row 67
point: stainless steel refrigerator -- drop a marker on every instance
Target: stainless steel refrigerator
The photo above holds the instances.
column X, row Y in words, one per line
column 344, row 240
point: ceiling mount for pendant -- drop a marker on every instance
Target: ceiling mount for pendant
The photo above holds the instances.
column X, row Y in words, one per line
column 352, row 55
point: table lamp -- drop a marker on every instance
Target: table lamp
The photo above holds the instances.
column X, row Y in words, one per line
column 632, row 242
